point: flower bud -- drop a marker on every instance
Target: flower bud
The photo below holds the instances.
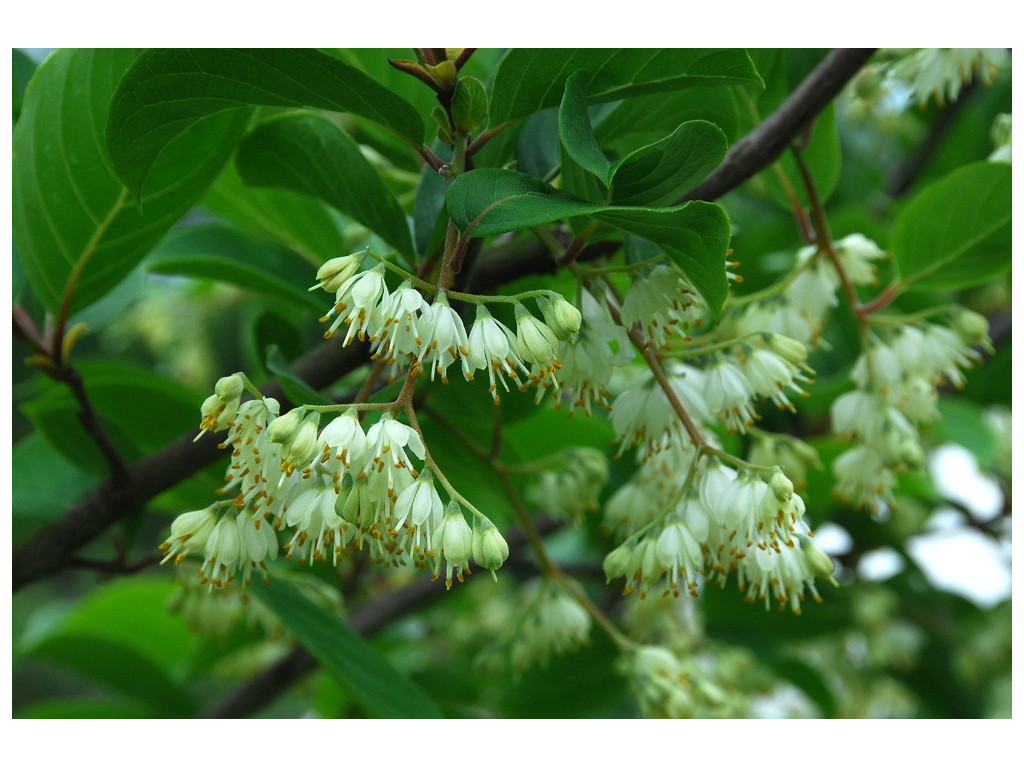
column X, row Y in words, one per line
column 616, row 563
column 562, row 317
column 971, row 327
column 229, row 387
column 336, row 271
column 781, row 486
column 454, row 540
column 283, row 428
column 821, row 565
column 489, row 547
column 785, row 347
column 300, row 450
column 536, row 343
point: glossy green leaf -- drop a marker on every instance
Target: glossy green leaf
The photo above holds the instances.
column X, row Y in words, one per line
column 956, row 232
column 219, row 252
column 310, row 154
column 576, row 132
column 140, row 409
column 298, row 391
column 530, row 79
column 661, row 173
column 695, row 236
column 117, row 667
column 295, row 220
column 642, row 120
column 77, row 231
column 371, row 680
column 167, row 91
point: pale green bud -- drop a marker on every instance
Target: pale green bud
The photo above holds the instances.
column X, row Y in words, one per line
column 536, row 343
column 616, row 563
column 489, row 547
column 302, row 448
column 283, row 428
column 910, row 453
column 821, row 565
column 336, row 271
column 971, row 327
column 229, row 387
column 562, row 317
column 787, row 348
column 781, row 486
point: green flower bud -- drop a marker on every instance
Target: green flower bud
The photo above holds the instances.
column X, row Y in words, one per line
column 781, row 485
column 561, row 316
column 616, row 563
column 910, row 453
column 336, row 271
column 821, row 565
column 229, row 388
column 283, row 428
column 469, row 104
column 489, row 547
column 301, row 449
column 787, row 348
column 971, row 327
column 536, row 343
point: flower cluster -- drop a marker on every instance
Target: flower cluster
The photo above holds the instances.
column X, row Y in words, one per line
column 573, row 486
column 403, row 328
column 897, row 379
column 332, row 489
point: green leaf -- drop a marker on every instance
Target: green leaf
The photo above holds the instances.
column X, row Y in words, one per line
column 140, row 410
column 117, row 667
column 43, row 484
column 133, row 613
column 371, row 680
column 956, row 232
column 576, row 132
column 76, row 230
column 165, row 92
column 295, row 220
column 531, row 79
column 298, row 391
column 695, row 236
column 84, row 709
column 661, row 173
column 220, row 253
column 641, row 120
column 22, row 69
column 310, row 154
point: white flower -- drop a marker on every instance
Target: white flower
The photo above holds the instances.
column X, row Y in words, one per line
column 770, row 374
column 862, row 477
column 357, row 298
column 399, row 329
column 660, row 301
column 878, row 368
column 418, row 510
column 856, row 254
column 345, row 437
column 224, row 553
column 189, row 534
column 445, row 339
column 728, row 394
column 945, row 354
column 387, row 442
column 320, row 530
column 259, row 543
column 493, row 346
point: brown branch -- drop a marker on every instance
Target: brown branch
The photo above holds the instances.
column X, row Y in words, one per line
column 759, row 148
